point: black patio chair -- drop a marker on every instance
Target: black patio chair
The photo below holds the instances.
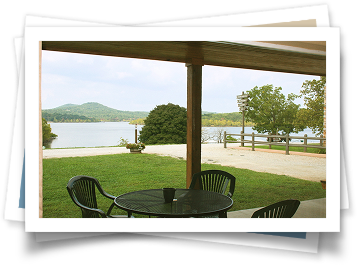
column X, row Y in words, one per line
column 283, row 209
column 214, row 180
column 82, row 189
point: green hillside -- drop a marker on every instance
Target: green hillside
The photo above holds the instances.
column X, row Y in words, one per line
column 95, row 112
column 90, row 111
column 223, row 119
column 213, row 119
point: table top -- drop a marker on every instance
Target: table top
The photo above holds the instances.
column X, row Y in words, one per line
column 187, row 203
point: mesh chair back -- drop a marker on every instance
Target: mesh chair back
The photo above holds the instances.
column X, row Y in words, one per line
column 283, row 209
column 214, row 180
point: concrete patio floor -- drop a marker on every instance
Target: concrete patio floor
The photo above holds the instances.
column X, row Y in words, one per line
column 307, row 209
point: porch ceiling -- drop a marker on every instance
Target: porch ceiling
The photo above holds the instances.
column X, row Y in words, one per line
column 289, row 57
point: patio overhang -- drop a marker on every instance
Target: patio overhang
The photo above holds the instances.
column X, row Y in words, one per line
column 298, row 57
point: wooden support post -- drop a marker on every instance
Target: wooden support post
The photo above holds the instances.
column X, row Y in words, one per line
column 253, row 147
column 324, row 131
column 225, row 139
column 269, row 140
column 136, row 133
column 194, row 124
column 40, row 140
column 242, row 143
column 305, row 142
column 287, row 144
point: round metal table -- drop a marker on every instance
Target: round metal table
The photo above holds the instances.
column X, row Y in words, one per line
column 187, row 203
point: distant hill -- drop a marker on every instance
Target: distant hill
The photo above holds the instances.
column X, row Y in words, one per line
column 233, row 116
column 90, row 111
column 96, row 112
column 224, row 120
column 213, row 119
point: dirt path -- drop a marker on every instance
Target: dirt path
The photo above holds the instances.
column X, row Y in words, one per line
column 302, row 167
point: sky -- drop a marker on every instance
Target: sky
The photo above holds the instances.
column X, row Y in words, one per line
column 140, row 85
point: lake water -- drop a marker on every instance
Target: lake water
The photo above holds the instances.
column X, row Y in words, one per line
column 92, row 134
column 109, row 133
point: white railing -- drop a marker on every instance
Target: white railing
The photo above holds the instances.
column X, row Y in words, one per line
column 283, row 140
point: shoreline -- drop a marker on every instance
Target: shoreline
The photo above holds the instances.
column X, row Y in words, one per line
column 212, row 126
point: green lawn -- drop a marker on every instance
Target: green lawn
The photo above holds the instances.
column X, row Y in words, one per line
column 122, row 173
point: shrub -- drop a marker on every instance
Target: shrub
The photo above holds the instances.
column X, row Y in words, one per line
column 165, row 124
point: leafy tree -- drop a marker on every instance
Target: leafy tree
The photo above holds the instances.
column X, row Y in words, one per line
column 47, row 135
column 312, row 116
column 271, row 112
column 165, row 124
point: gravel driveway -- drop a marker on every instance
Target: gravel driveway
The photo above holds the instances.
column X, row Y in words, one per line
column 302, row 167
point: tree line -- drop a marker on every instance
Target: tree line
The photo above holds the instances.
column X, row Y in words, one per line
column 65, row 117
column 213, row 120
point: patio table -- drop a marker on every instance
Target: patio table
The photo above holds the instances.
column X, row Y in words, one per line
column 187, row 203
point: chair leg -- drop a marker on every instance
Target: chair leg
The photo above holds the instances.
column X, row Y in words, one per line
column 110, row 208
column 222, row 214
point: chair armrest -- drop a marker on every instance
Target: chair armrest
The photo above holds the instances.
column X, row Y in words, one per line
column 109, row 196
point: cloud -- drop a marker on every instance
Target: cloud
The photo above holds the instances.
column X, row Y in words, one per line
column 159, row 73
column 215, row 76
column 55, row 57
column 121, row 75
column 54, row 79
column 138, row 84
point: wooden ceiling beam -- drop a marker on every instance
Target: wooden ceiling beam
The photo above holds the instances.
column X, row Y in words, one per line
column 226, row 54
